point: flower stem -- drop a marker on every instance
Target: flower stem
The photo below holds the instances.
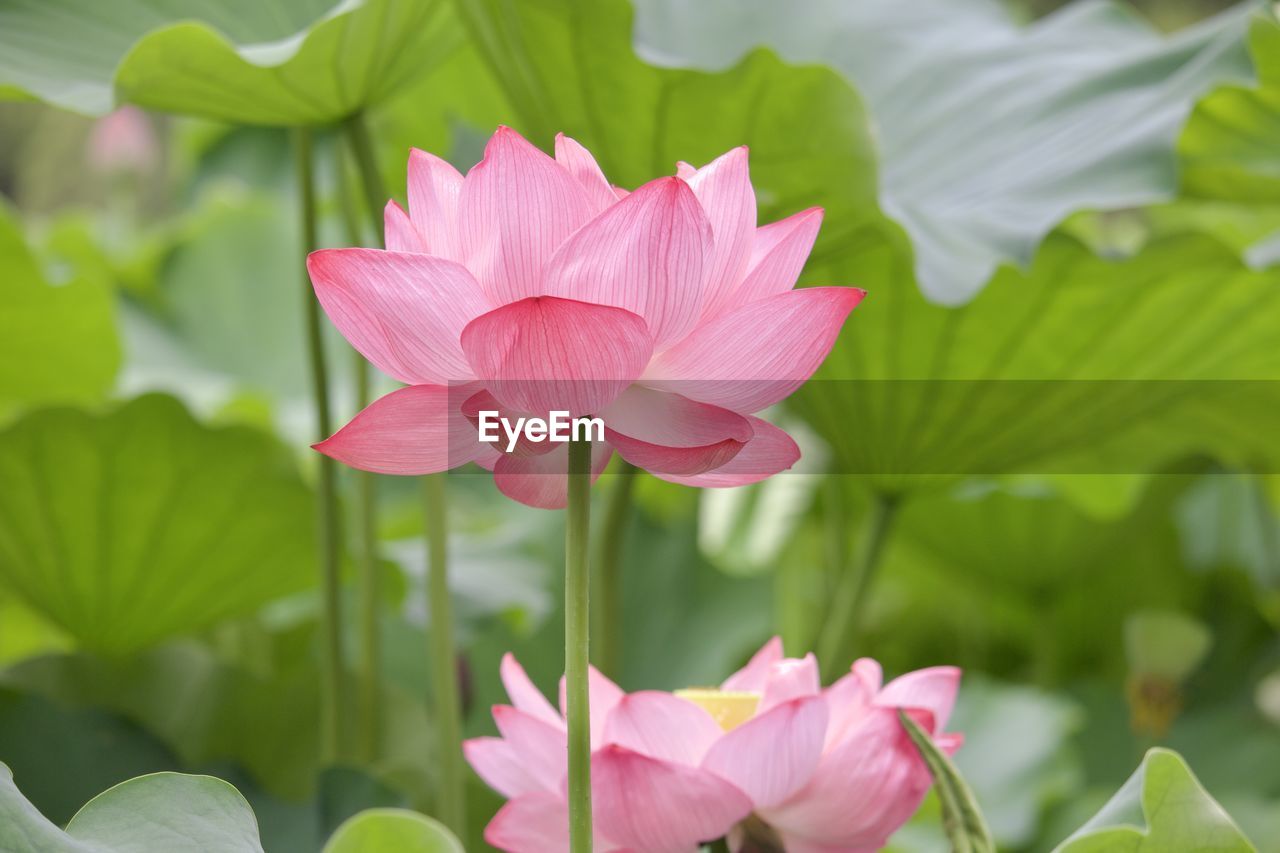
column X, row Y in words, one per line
column 577, row 597
column 606, row 615
column 331, row 725
column 451, row 803
column 842, row 622
column 448, row 709
column 366, row 524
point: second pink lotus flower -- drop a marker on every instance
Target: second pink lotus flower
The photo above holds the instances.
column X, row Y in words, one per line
column 769, row 757
column 533, row 285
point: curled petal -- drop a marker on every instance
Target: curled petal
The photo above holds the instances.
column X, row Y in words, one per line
column 579, row 162
column 753, row 356
column 751, row 678
column 434, row 186
column 661, row 725
column 645, row 254
column 774, row 754
column 398, row 231
column 770, row 451
column 418, row 429
column 933, row 689
column 543, row 481
column 546, row 354
column 516, row 207
column 403, row 312
column 723, row 188
column 522, row 692
column 645, row 803
column 660, row 431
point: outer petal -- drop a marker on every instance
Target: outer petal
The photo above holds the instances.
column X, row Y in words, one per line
column 579, row 162
column 539, row 746
column 418, row 429
column 537, row 823
column 792, row 678
column 778, row 254
column 516, row 207
column 603, row 697
column 403, row 312
column 774, row 754
column 499, row 766
column 660, row 807
column 533, row 823
column 543, row 481
column 659, row 431
column 933, row 689
column 848, row 700
column 723, row 188
column 661, row 725
column 398, row 232
column 544, row 354
column 433, row 187
column 769, row 452
column 751, row 678
column 863, row 789
column 524, row 695
column 645, row 254
column 755, row 355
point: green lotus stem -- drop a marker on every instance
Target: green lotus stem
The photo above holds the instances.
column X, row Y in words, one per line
column 577, row 644
column 846, row 608
column 367, row 526
column 331, row 724
column 448, row 705
column 444, row 661
column 607, row 614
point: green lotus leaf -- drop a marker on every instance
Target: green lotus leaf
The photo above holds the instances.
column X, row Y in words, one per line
column 126, row 528
column 273, row 62
column 376, row 830
column 173, row 812
column 1164, row 808
column 989, row 134
column 57, row 339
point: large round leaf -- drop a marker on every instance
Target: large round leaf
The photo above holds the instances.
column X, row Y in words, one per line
column 989, row 134
column 57, row 340
column 275, row 62
column 130, row 527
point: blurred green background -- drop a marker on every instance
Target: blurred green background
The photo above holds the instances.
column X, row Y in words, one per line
column 1087, row 194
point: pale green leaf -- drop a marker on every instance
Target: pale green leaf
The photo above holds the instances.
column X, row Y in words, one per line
column 989, row 133
column 1161, row 809
column 276, row 62
column 1231, row 146
column 57, row 339
column 127, row 528
column 379, row 830
column 172, row 812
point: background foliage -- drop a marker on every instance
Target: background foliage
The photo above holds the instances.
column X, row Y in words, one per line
column 1075, row 201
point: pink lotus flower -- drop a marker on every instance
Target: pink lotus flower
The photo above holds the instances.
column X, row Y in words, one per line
column 769, row 757
column 533, row 285
column 123, row 141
